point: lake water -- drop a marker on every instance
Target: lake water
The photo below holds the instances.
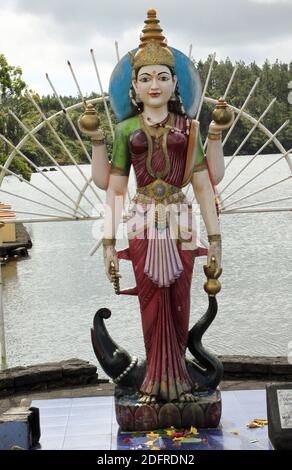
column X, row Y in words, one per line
column 50, row 297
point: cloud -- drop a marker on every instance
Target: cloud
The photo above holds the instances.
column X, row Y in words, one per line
column 238, row 21
column 46, row 33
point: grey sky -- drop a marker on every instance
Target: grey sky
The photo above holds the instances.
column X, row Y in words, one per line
column 40, row 35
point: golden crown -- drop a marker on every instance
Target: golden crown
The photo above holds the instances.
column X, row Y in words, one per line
column 153, row 48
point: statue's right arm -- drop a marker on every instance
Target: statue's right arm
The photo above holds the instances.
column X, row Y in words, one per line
column 120, row 164
column 115, row 180
column 115, row 198
column 100, row 166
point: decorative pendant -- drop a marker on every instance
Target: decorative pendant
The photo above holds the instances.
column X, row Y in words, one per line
column 157, row 133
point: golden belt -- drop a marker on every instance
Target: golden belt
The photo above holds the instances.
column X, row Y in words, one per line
column 160, row 191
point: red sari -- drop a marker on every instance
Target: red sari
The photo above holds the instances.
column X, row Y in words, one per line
column 165, row 310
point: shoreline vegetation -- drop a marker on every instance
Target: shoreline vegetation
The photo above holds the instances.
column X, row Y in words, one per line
column 275, row 80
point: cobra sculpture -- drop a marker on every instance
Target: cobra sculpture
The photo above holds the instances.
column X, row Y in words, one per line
column 205, row 369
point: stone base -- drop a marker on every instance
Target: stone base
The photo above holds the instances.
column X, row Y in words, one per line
column 204, row 412
column 19, row 428
column 279, row 406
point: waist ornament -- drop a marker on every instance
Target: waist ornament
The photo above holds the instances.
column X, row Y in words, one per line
column 159, row 191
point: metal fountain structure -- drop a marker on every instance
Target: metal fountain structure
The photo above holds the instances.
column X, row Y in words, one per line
column 70, row 209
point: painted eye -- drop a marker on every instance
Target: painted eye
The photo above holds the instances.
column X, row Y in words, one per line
column 144, row 79
column 164, row 78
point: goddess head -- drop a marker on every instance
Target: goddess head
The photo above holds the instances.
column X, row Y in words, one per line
column 153, row 79
column 155, row 75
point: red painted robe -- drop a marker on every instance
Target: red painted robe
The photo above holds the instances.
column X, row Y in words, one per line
column 165, row 310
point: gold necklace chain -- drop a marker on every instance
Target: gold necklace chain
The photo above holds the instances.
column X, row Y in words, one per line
column 157, row 133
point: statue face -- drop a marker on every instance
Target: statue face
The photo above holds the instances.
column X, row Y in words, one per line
column 154, row 85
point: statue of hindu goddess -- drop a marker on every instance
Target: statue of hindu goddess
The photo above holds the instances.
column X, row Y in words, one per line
column 154, row 92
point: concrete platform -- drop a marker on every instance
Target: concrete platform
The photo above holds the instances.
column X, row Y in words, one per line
column 88, row 423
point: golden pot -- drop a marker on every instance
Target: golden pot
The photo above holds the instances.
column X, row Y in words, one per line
column 222, row 114
column 212, row 287
column 89, row 121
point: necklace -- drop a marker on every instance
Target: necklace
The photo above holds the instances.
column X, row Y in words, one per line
column 157, row 127
column 157, row 132
column 148, row 120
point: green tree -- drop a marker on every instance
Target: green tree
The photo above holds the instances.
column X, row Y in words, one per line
column 274, row 80
column 11, row 97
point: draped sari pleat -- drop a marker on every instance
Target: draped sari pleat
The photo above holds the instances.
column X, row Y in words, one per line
column 163, row 271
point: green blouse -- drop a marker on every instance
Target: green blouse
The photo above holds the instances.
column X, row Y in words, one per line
column 121, row 158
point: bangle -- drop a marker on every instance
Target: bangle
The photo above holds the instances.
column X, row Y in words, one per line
column 109, row 241
column 214, row 238
column 214, row 135
column 97, row 141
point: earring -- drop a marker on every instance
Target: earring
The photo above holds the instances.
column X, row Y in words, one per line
column 173, row 96
column 132, row 98
column 135, row 102
column 138, row 99
column 181, row 105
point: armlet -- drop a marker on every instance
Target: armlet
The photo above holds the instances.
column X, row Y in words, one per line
column 118, row 171
column 201, row 166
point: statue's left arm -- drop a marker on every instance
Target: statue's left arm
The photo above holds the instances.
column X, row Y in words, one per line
column 214, row 153
column 214, row 162
column 205, row 198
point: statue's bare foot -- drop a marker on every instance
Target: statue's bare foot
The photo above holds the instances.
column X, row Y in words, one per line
column 186, row 397
column 190, row 397
column 147, row 398
column 142, row 398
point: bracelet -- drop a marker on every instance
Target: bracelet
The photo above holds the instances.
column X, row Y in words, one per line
column 214, row 135
column 97, row 141
column 214, row 238
column 109, row 241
